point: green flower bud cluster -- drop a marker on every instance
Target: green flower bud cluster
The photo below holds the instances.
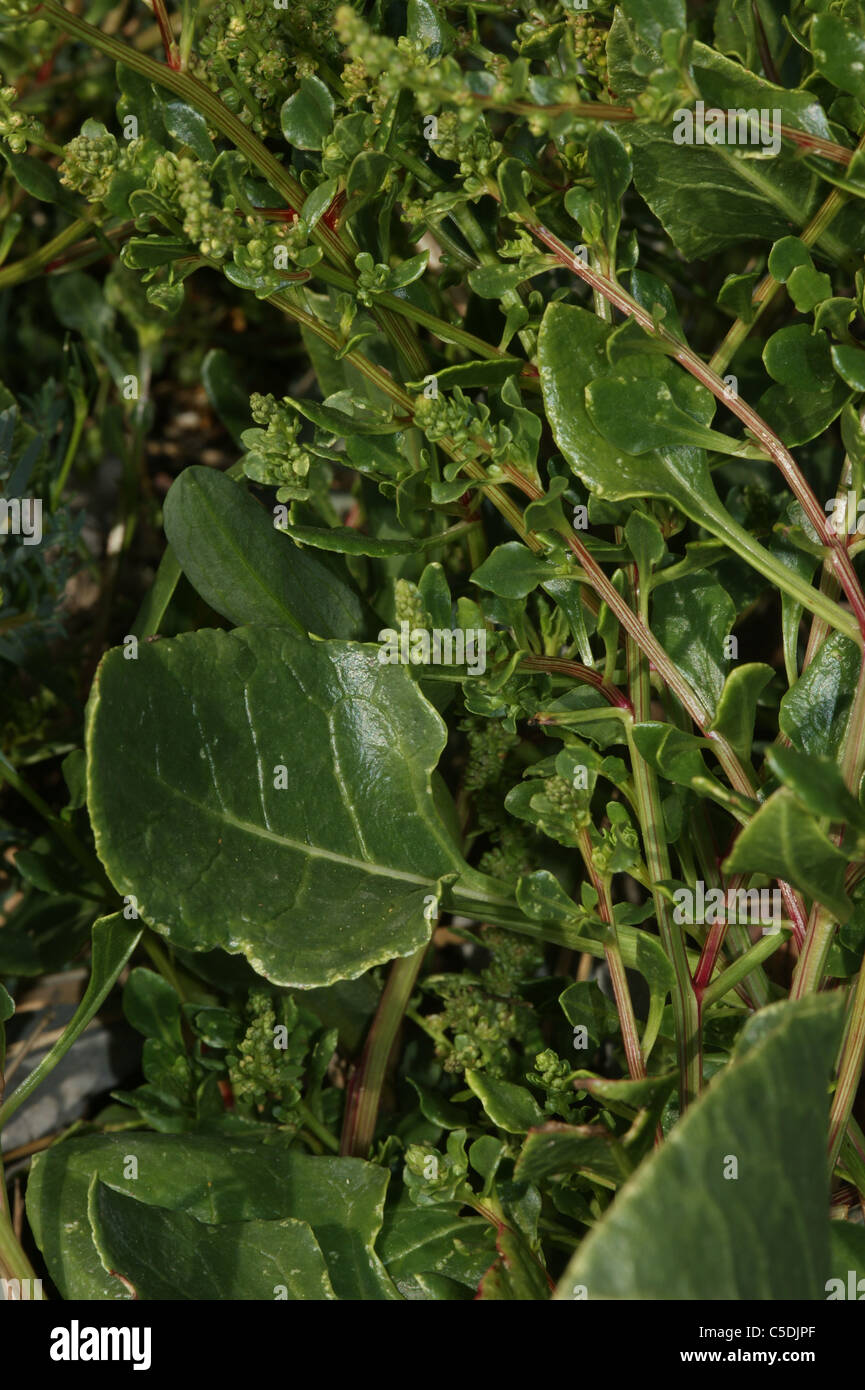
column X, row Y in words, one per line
column 92, row 159
column 432, row 1177
column 267, row 1067
column 250, row 51
column 452, row 417
column 379, row 68
column 590, row 46
column 17, row 129
column 511, row 855
column 489, row 744
column 484, row 1023
column 408, row 604
column 468, row 142
column 475, row 1030
column 553, row 1075
column 274, row 456
column 551, row 1072
column 214, row 230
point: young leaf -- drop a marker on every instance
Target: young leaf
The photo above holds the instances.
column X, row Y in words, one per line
column 737, row 706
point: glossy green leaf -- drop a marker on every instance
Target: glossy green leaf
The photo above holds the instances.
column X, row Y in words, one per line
column 307, row 116
column 691, row 620
column 214, row 1180
column 767, row 1227
column 737, row 706
column 188, row 126
column 230, row 551
column 815, row 710
column 818, row 784
column 313, row 856
column 512, row 1108
column 795, row 356
column 511, row 571
column 584, row 1006
column 784, row 841
column 849, row 363
column 437, row 1239
column 37, row 178
column 839, row 53
column 168, row 1255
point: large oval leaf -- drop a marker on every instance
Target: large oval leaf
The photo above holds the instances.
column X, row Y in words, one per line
column 694, row 1224
column 269, row 794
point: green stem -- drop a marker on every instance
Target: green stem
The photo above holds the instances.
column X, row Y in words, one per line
column 615, row 964
column 849, row 1068
column 35, row 263
column 361, row 1111
column 811, row 964
column 315, row 1126
column 686, row 1007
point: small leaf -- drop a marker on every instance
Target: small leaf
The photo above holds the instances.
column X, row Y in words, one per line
column 188, row 126
column 306, row 116
column 318, row 201
column 849, row 363
column 797, row 357
column 512, row 1108
column 511, row 571
column 737, row 706
column 807, row 287
column 815, row 710
column 37, row 178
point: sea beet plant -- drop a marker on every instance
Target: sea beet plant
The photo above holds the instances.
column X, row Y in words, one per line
column 432, row 446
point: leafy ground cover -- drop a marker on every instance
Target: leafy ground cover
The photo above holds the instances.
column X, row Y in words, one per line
column 432, row 455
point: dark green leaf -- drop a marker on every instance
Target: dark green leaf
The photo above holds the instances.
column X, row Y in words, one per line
column 255, row 833
column 766, row 1227
column 230, row 551
column 784, row 841
column 307, row 116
